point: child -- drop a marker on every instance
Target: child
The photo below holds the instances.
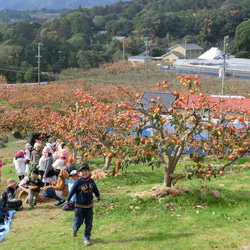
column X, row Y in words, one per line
column 58, row 189
column 49, row 171
column 60, row 147
column 1, row 164
column 34, row 184
column 83, row 188
column 64, row 156
column 42, row 162
column 9, row 197
column 70, row 165
column 27, row 157
column 74, row 176
column 36, row 154
column 18, row 163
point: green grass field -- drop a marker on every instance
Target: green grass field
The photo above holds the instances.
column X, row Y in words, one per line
column 215, row 215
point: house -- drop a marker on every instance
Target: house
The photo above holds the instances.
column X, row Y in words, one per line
column 150, row 98
column 135, row 60
column 172, row 56
column 182, row 51
column 230, row 104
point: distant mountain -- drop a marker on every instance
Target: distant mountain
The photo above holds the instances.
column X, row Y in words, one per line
column 22, row 5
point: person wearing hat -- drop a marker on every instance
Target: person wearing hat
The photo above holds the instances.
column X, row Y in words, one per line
column 18, row 163
column 34, row 184
column 9, row 197
column 58, row 189
column 74, row 176
column 84, row 187
column 27, row 158
column 47, row 170
column 36, row 154
column 64, row 156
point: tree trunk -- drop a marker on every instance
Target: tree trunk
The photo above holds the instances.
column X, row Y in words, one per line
column 167, row 176
column 107, row 163
column 75, row 154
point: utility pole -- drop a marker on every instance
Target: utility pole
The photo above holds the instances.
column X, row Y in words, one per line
column 119, row 38
column 224, row 65
column 123, row 49
column 39, row 56
column 146, row 43
column 185, row 49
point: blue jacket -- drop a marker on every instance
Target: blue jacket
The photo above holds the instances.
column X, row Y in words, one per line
column 84, row 189
column 70, row 184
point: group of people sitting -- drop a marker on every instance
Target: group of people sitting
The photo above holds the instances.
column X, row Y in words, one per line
column 51, row 169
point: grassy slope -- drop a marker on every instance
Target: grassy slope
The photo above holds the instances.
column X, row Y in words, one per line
column 140, row 78
column 123, row 222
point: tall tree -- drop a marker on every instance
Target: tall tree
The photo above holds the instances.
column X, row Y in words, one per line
column 242, row 39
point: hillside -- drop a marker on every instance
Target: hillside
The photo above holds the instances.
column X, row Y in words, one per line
column 214, row 217
column 83, row 37
column 53, row 5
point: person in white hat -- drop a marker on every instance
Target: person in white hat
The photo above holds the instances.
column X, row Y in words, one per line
column 36, row 154
column 58, row 189
column 46, row 170
column 27, row 158
column 9, row 197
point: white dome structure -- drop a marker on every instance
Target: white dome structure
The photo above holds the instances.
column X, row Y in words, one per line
column 213, row 53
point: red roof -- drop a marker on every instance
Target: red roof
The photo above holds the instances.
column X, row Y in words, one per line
column 230, row 103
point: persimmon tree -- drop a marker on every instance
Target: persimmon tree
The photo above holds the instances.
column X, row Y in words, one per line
column 102, row 120
column 92, row 127
column 35, row 108
column 28, row 108
column 81, row 114
column 189, row 115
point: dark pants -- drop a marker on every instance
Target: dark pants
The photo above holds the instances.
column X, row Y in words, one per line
column 41, row 173
column 84, row 214
column 20, row 177
column 51, row 193
column 14, row 205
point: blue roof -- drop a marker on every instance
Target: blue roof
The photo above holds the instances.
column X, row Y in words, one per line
column 167, row 100
column 140, row 57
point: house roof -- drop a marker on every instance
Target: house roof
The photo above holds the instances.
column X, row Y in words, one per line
column 188, row 46
column 175, row 53
column 119, row 38
column 231, row 103
column 213, row 53
column 139, row 57
column 166, row 99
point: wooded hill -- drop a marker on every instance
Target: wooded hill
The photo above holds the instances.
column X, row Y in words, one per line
column 83, row 37
column 52, row 4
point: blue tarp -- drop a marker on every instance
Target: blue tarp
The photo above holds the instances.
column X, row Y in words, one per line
column 165, row 67
column 6, row 226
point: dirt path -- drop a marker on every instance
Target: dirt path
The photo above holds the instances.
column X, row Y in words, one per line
column 10, row 152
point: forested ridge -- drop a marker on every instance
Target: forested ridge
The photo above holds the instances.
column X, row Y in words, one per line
column 83, row 37
column 52, row 4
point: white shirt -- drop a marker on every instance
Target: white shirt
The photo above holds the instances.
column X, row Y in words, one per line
column 19, row 166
